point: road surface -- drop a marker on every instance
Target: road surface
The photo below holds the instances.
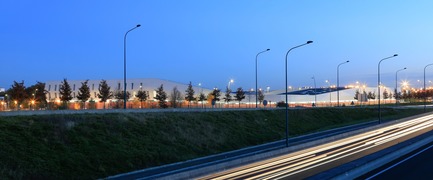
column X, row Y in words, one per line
column 302, row 164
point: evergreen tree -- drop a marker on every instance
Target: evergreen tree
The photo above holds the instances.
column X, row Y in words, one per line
column 142, row 96
column 356, row 95
column 18, row 93
column 84, row 93
column 161, row 96
column 175, row 97
column 189, row 94
column 261, row 96
column 65, row 92
column 216, row 93
column 228, row 96
column 240, row 95
column 104, row 92
column 201, row 98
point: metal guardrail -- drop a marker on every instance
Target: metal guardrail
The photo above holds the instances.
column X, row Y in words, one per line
column 165, row 170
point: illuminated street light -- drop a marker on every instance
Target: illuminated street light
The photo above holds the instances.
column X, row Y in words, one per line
column 330, row 92
column 124, row 66
column 338, row 82
column 396, row 94
column 315, row 94
column 378, row 84
column 230, row 82
column 287, row 103
column 256, row 70
column 425, row 91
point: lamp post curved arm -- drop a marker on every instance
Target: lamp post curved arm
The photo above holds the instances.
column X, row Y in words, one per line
column 338, row 82
column 378, row 84
column 425, row 90
column 124, row 65
column 256, row 72
column 285, row 87
column 395, row 93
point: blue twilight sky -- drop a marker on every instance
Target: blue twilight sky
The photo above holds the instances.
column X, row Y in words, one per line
column 213, row 41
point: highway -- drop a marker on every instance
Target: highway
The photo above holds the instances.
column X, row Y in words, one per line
column 305, row 163
column 415, row 165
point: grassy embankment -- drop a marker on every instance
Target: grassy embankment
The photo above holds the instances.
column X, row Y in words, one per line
column 89, row 146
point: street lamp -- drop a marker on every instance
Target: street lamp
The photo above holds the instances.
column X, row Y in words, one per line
column 256, row 70
column 230, row 82
column 287, row 103
column 425, row 91
column 330, row 92
column 395, row 93
column 124, row 66
column 378, row 84
column 338, row 82
column 315, row 94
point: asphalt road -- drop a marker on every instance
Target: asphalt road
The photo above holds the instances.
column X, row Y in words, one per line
column 300, row 165
column 415, row 165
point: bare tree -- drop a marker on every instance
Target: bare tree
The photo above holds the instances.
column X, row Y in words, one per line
column 261, row 96
column 175, row 97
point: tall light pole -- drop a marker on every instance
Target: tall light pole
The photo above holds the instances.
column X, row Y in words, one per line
column 330, row 92
column 124, row 66
column 230, row 82
column 315, row 94
column 256, row 70
column 425, row 90
column 338, row 82
column 396, row 91
column 378, row 85
column 287, row 103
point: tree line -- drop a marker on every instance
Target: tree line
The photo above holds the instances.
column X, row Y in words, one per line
column 34, row 97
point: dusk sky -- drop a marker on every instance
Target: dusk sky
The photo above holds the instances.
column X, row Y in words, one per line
column 211, row 42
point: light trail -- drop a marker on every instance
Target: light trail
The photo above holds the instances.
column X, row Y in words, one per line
column 298, row 163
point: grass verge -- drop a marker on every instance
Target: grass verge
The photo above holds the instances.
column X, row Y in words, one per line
column 90, row 146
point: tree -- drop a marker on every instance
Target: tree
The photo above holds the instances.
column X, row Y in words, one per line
column 119, row 96
column 356, row 95
column 175, row 97
column 142, row 96
column 18, row 93
column 161, row 96
column 189, row 94
column 261, row 96
column 65, row 92
column 385, row 94
column 104, row 92
column 227, row 96
column 240, row 95
column 84, row 93
column 201, row 98
column 371, row 95
column 37, row 94
column 216, row 93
